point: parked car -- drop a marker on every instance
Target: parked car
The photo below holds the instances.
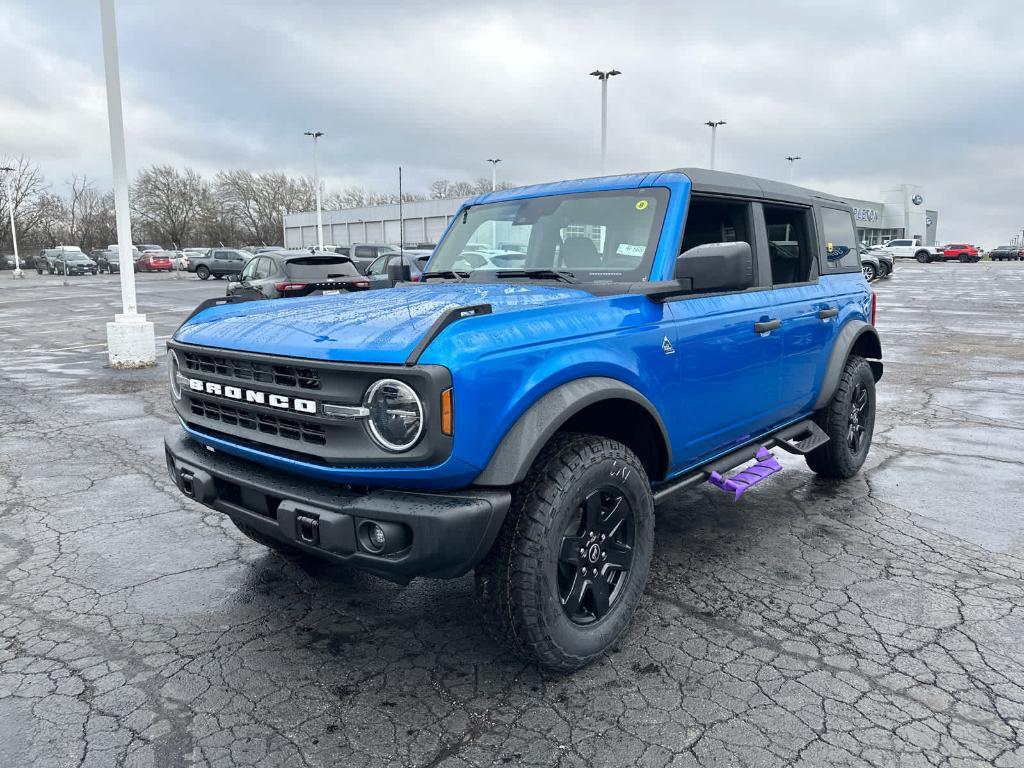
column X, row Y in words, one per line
column 870, row 265
column 72, row 263
column 266, row 249
column 64, row 260
column 377, row 272
column 179, row 260
column 109, row 259
column 143, row 247
column 912, row 249
column 524, row 423
column 291, row 274
column 1005, row 253
column 218, row 262
column 7, row 261
column 962, row 252
column 154, row 261
column 364, row 254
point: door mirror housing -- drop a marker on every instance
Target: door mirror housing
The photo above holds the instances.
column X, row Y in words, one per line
column 716, row 267
column 399, row 272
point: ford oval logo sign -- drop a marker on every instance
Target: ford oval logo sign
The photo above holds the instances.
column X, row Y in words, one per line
column 917, row 199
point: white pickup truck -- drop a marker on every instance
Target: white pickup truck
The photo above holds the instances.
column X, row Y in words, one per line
column 911, row 249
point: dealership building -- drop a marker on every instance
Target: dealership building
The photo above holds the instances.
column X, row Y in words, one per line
column 899, row 213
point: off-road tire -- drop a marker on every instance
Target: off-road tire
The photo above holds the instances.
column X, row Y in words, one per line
column 836, row 458
column 923, row 257
column 203, row 272
column 517, row 584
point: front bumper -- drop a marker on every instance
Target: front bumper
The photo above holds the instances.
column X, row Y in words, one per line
column 443, row 534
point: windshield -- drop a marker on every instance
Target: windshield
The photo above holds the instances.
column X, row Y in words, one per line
column 320, row 267
column 607, row 236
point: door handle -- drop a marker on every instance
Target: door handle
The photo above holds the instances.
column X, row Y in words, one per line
column 767, row 325
column 825, row 314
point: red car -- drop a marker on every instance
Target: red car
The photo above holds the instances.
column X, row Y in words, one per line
column 961, row 252
column 153, row 261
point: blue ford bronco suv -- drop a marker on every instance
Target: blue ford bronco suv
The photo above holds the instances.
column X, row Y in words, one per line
column 521, row 412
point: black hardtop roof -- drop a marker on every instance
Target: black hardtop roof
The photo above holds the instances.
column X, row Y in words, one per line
column 723, row 183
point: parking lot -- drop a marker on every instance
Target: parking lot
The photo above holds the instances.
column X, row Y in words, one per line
column 873, row 622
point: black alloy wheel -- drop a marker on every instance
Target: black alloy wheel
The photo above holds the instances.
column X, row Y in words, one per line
column 859, row 404
column 596, row 556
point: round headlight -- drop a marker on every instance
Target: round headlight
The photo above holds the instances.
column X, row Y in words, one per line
column 396, row 415
column 172, row 372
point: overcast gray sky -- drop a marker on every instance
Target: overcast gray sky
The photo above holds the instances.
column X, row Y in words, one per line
column 870, row 93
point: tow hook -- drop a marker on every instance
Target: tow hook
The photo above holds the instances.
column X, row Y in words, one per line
column 308, row 528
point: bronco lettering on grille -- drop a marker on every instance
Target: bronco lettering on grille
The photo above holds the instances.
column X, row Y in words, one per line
column 253, row 396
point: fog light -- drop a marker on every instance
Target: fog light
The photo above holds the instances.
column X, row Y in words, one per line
column 375, row 536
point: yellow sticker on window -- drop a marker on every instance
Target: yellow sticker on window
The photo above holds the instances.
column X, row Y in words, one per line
column 641, row 205
column 830, row 247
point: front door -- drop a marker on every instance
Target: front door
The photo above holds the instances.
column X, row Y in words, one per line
column 728, row 344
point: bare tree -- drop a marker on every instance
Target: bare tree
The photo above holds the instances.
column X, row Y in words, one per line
column 259, row 201
column 27, row 185
column 168, row 202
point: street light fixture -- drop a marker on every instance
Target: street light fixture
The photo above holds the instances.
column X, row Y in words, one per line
column 792, row 162
column 8, row 172
column 603, row 77
column 316, row 183
column 494, row 172
column 713, row 125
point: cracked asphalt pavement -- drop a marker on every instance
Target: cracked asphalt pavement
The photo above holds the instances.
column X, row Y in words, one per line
column 876, row 622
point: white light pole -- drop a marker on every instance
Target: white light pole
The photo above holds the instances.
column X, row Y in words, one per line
column 792, row 162
column 316, row 182
column 494, row 172
column 130, row 339
column 713, row 125
column 603, row 77
column 8, row 172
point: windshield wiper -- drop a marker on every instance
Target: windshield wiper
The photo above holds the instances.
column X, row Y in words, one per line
column 447, row 274
column 539, row 274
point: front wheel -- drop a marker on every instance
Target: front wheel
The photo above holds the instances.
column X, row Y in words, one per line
column 869, row 271
column 567, row 572
column 849, row 422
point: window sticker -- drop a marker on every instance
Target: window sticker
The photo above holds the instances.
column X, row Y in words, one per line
column 625, row 249
column 641, row 205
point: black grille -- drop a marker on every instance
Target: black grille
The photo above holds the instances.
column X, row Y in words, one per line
column 290, row 429
column 247, row 370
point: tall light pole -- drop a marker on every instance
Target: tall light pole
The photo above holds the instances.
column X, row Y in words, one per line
column 603, row 77
column 713, row 125
column 494, row 172
column 8, row 172
column 130, row 338
column 792, row 162
column 316, row 183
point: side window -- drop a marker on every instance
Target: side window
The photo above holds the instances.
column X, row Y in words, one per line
column 840, row 251
column 364, row 252
column 789, row 244
column 249, row 273
column 379, row 267
column 715, row 221
column 221, row 255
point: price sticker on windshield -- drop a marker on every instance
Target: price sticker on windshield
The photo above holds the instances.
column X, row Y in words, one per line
column 641, row 205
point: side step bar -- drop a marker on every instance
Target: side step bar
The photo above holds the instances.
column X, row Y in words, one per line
column 800, row 438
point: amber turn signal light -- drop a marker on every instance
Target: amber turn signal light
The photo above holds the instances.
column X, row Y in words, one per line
column 447, row 413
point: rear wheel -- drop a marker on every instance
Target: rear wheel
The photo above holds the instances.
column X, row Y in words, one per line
column 923, row 257
column 569, row 567
column 203, row 272
column 849, row 421
column 964, row 259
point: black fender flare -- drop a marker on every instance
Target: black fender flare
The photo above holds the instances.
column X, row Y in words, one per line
column 855, row 332
column 519, row 447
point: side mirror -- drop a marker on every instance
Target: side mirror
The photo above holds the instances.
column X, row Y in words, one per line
column 717, row 267
column 399, row 273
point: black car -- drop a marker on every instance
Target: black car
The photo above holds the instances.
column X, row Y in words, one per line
column 64, row 260
column 1005, row 253
column 290, row 274
column 107, row 260
column 7, row 261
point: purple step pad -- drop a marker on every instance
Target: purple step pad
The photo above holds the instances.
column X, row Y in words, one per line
column 766, row 466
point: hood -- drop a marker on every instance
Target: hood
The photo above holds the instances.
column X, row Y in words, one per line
column 381, row 326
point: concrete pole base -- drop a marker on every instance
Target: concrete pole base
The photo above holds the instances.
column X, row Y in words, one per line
column 18, row 274
column 131, row 342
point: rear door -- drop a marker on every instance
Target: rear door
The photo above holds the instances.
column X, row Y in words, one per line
column 728, row 361
column 802, row 302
